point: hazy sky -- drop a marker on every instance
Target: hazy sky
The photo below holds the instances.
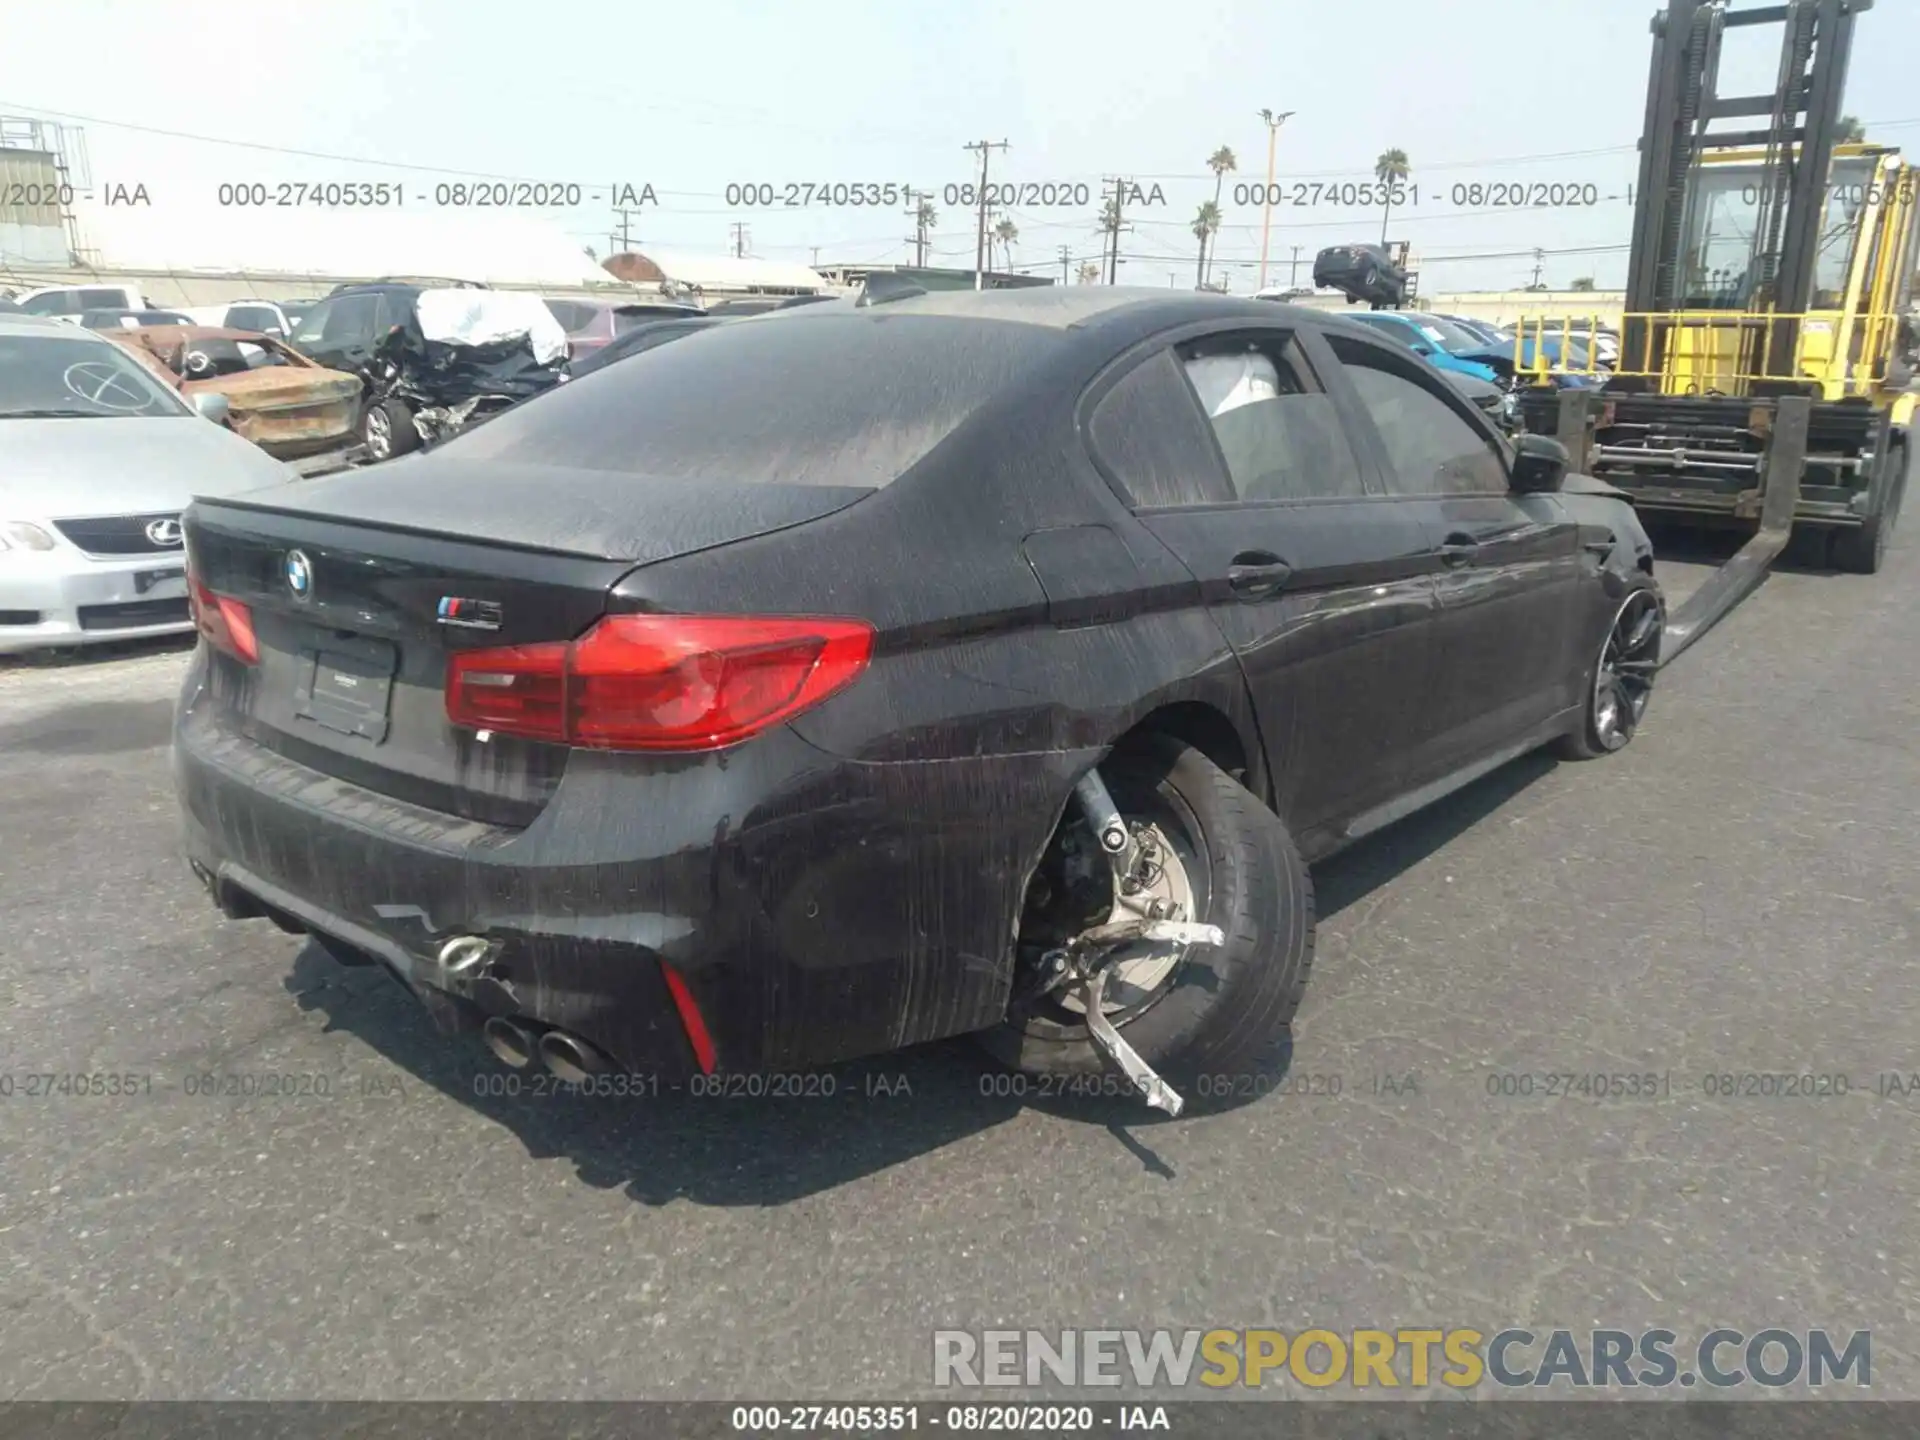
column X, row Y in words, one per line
column 691, row 98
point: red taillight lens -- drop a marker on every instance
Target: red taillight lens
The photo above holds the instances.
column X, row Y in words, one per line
column 226, row 622
column 659, row 682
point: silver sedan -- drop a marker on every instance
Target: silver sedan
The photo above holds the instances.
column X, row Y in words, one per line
column 98, row 457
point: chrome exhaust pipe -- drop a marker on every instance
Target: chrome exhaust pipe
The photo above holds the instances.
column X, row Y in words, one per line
column 465, row 953
column 511, row 1042
column 572, row 1059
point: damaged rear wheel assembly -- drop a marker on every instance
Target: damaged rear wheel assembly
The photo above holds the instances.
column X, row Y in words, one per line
column 1166, row 933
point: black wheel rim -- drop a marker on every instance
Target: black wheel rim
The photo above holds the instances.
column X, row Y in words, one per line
column 1629, row 660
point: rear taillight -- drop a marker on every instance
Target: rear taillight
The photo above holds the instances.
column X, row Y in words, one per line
column 658, row 682
column 225, row 621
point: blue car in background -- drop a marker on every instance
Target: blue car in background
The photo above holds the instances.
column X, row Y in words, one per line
column 1440, row 342
column 1467, row 343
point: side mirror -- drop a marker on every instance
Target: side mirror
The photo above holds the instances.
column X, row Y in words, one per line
column 210, row 406
column 1539, row 465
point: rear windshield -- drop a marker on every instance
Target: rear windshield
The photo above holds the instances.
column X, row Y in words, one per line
column 792, row 399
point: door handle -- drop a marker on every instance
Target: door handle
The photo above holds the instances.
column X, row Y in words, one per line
column 1458, row 550
column 1257, row 574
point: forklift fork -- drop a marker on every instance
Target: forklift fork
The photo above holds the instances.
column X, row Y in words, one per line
column 1783, row 466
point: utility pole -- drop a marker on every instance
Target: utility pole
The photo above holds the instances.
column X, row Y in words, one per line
column 1293, row 275
column 1066, row 255
column 915, row 200
column 986, row 148
column 1274, row 122
column 1113, row 221
column 816, row 256
column 624, row 240
column 1539, row 263
column 739, row 240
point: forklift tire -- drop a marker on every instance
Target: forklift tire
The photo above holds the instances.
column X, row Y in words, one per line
column 387, row 430
column 1862, row 550
column 1223, row 1007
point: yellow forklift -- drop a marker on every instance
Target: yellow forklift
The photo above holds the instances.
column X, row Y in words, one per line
column 1770, row 342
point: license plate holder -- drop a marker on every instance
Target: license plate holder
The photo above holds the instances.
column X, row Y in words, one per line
column 346, row 685
column 146, row 580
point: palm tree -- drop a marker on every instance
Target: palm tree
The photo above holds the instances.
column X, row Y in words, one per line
column 1583, row 282
column 1220, row 162
column 925, row 217
column 1849, row 131
column 1006, row 232
column 590, row 255
column 1089, row 272
column 1390, row 169
column 1206, row 223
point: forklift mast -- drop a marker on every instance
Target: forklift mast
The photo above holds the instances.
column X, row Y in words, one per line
column 1800, row 119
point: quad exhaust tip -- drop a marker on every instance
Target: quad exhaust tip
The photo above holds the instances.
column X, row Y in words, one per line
column 572, row 1059
column 512, row 1043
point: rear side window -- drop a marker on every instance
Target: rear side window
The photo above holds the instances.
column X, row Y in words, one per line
column 103, row 299
column 1153, row 439
column 1432, row 449
column 793, row 399
column 1281, row 437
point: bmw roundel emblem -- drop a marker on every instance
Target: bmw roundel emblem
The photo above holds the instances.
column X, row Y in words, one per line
column 299, row 574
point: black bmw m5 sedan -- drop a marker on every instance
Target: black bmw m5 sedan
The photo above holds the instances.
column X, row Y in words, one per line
column 850, row 676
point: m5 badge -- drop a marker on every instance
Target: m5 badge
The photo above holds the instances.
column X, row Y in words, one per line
column 469, row 614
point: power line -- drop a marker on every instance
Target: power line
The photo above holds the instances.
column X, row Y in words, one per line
column 678, row 110
column 1442, row 165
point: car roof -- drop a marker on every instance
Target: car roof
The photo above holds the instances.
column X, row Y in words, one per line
column 12, row 324
column 1056, row 307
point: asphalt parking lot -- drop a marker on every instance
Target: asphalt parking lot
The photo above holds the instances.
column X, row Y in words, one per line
column 1735, row 894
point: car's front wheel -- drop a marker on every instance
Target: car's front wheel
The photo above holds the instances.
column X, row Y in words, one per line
column 1214, row 854
column 1621, row 681
column 387, row 430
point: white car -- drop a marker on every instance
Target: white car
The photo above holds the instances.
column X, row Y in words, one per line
column 98, row 457
column 263, row 317
column 66, row 302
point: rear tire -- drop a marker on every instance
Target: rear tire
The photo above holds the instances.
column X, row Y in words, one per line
column 1863, row 550
column 1223, row 1006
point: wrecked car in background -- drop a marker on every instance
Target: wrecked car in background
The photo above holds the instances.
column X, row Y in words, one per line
column 276, row 397
column 435, row 359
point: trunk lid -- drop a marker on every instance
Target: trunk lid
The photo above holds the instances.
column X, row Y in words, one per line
column 361, row 584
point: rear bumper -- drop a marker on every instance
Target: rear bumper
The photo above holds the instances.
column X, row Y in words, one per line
column 60, row 597
column 817, row 909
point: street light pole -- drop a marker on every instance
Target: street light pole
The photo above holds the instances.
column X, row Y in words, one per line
column 1274, row 122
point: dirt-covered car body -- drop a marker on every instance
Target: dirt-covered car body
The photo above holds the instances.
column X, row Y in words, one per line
column 1018, row 539
column 276, row 397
